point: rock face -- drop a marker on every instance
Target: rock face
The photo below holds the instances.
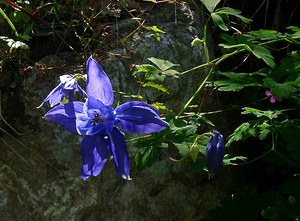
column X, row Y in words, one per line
column 40, row 169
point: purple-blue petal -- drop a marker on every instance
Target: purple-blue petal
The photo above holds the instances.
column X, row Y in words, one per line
column 98, row 84
column 65, row 115
column 85, row 127
column 93, row 103
column 84, row 121
column 54, row 97
column 94, row 155
column 119, row 152
column 215, row 152
column 139, row 117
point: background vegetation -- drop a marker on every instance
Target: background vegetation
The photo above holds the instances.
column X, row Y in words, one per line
column 255, row 71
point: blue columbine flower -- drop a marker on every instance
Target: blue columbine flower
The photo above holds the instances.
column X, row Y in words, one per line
column 215, row 152
column 98, row 121
column 66, row 86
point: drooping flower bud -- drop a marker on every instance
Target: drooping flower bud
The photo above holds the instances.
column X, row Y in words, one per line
column 215, row 153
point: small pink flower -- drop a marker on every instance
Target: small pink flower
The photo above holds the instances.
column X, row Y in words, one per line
column 273, row 99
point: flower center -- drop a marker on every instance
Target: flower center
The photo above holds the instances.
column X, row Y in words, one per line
column 97, row 119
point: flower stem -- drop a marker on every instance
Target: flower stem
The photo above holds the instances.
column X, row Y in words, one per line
column 196, row 92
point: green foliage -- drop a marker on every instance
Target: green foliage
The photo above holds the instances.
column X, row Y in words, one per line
column 155, row 74
column 222, row 14
column 280, row 90
column 233, row 81
column 148, row 148
column 259, row 128
column 157, row 31
column 210, row 4
column 245, row 42
column 181, row 134
column 283, row 80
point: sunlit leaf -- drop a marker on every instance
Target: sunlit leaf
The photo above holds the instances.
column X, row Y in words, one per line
column 161, row 107
column 196, row 42
column 270, row 114
column 156, row 86
column 157, row 31
column 163, row 65
column 229, row 160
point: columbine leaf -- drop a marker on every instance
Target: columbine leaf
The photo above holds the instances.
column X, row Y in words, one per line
column 263, row 53
column 210, row 4
column 265, row 34
column 242, row 133
column 233, row 12
column 156, row 86
column 218, row 21
column 144, row 68
column 235, row 81
column 181, row 129
column 229, row 39
column 152, row 73
column 184, row 147
column 228, row 160
column 163, row 65
column 145, row 157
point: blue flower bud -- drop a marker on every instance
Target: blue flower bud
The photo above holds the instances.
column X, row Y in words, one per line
column 215, row 153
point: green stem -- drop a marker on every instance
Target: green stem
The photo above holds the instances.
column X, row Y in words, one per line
column 214, row 62
column 273, row 149
column 204, row 41
column 286, row 159
column 255, row 159
column 9, row 22
column 196, row 92
column 197, row 67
